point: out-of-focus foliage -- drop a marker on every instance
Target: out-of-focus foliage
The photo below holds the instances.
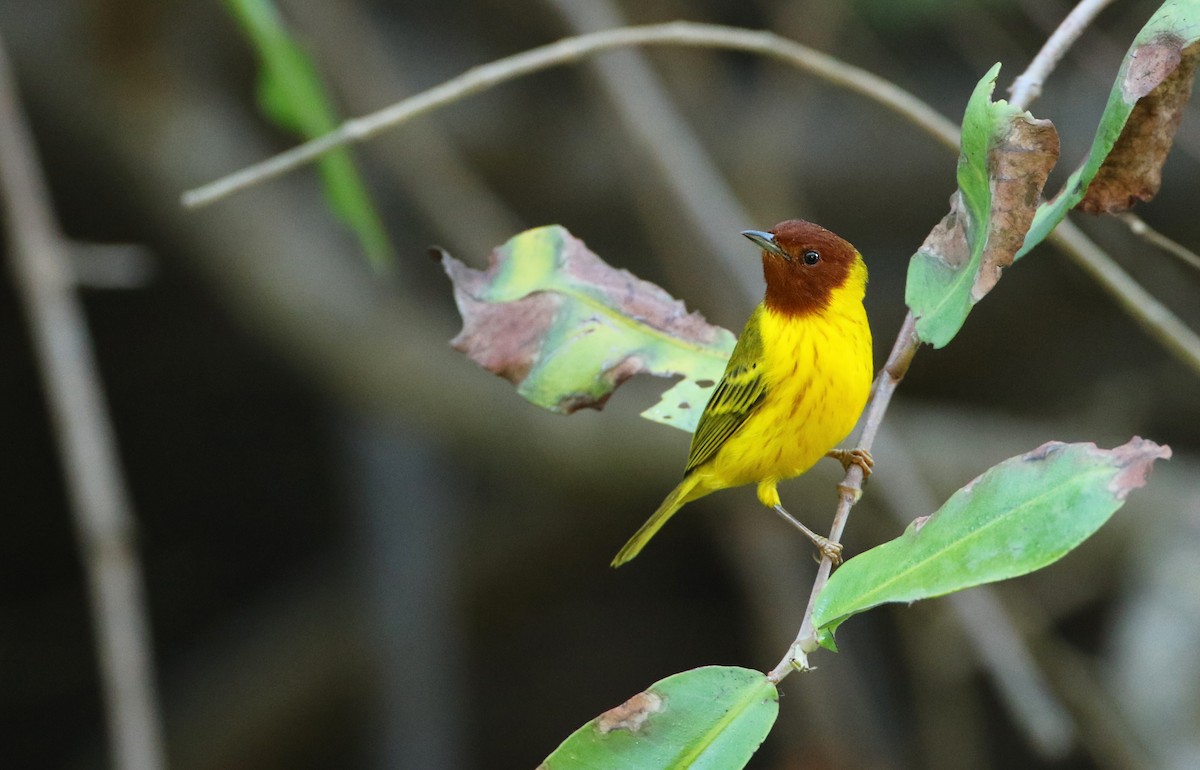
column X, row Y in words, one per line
column 291, row 93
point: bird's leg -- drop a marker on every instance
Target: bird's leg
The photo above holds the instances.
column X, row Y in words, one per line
column 860, row 457
column 828, row 548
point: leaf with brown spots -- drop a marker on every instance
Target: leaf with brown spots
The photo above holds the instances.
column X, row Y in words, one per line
column 716, row 716
column 1005, row 159
column 567, row 329
column 1021, row 515
column 1133, row 169
column 1137, row 128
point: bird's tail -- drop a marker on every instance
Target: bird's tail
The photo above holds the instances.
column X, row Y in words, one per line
column 681, row 494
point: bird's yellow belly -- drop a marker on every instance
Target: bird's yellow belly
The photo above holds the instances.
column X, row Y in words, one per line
column 817, row 386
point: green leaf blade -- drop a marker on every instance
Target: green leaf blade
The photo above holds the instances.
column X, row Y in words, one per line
column 292, row 95
column 567, row 329
column 714, row 718
column 1023, row 514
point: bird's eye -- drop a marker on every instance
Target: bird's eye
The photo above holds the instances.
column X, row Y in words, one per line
column 811, row 257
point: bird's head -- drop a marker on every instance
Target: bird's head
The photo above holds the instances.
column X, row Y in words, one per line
column 804, row 264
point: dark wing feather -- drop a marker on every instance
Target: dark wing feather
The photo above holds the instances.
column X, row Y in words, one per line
column 735, row 398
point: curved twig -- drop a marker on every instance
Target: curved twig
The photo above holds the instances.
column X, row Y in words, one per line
column 1028, row 85
column 1138, row 227
column 850, row 489
column 570, row 50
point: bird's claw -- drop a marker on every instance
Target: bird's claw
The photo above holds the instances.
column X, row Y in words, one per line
column 860, row 457
column 828, row 550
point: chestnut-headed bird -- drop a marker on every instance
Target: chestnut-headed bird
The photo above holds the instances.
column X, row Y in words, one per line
column 795, row 385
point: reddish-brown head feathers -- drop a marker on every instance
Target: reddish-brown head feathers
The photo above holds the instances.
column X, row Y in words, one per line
column 803, row 263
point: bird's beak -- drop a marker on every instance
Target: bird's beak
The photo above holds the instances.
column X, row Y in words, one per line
column 766, row 242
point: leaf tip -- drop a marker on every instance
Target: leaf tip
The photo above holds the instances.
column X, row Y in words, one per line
column 1135, row 460
column 1150, row 64
column 916, row 524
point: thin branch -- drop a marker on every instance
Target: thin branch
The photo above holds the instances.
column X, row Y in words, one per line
column 570, row 50
column 42, row 275
column 424, row 161
column 1138, row 227
column 1155, row 318
column 851, row 487
column 665, row 141
column 1028, row 86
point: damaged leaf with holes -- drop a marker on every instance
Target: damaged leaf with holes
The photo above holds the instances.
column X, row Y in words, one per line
column 567, row 329
column 1019, row 516
column 710, row 717
column 1139, row 122
column 1005, row 158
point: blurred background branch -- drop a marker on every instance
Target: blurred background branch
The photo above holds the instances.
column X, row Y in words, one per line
column 40, row 259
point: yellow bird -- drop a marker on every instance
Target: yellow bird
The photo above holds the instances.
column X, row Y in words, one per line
column 795, row 385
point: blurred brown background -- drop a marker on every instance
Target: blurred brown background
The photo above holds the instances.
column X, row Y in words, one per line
column 362, row 552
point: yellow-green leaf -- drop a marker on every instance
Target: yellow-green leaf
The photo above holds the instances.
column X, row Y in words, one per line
column 567, row 329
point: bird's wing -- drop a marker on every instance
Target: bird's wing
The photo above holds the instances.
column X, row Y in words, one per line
column 736, row 397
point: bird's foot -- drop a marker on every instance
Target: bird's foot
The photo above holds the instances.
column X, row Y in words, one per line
column 829, row 549
column 860, row 457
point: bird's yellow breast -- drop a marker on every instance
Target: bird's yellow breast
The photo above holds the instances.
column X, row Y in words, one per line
column 817, row 369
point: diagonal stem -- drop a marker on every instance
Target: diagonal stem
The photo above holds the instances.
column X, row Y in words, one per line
column 893, row 372
column 1028, row 85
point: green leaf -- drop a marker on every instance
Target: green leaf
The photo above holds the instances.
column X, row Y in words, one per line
column 1005, row 158
column 714, row 717
column 566, row 328
column 291, row 94
column 1019, row 516
column 1138, row 125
